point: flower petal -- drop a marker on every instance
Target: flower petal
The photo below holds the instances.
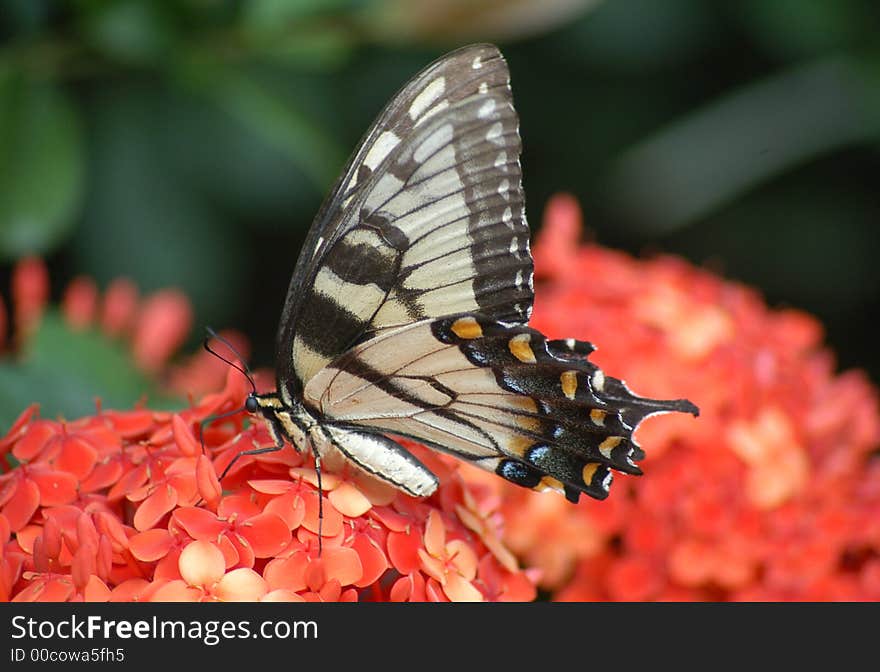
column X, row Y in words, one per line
column 208, row 484
column 183, row 437
column 128, row 591
column 239, row 506
column 266, row 533
column 130, row 424
column 290, row 507
column 462, row 556
column 18, row 427
column 332, row 522
column 131, row 481
column 271, row 486
column 77, row 457
column 56, row 487
column 199, row 523
column 151, row 545
column 459, row 589
column 432, row 566
column 104, row 475
column 177, row 591
column 22, row 505
column 58, row 589
column 403, row 550
column 201, row 564
column 373, row 560
column 34, row 439
column 342, row 564
column 240, row 585
column 287, row 573
column 154, row 507
column 281, row 595
column 435, row 535
column 349, row 501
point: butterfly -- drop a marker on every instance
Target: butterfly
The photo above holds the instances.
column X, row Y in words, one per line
column 407, row 312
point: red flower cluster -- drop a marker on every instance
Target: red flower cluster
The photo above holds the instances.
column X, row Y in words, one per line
column 126, row 506
column 154, row 326
column 773, row 493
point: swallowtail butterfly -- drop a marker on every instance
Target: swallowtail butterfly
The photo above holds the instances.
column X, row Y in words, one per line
column 407, row 313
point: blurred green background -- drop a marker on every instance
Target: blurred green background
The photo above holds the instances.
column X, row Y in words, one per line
column 190, row 142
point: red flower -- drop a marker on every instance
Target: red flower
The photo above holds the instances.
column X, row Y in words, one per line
column 154, row 326
column 125, row 506
column 204, row 578
column 772, row 494
column 30, row 292
column 163, row 323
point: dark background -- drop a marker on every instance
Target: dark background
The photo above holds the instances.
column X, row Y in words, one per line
column 189, row 143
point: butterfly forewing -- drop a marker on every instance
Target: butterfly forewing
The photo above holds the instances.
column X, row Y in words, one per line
column 428, row 220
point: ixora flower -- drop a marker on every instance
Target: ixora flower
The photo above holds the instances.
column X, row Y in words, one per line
column 124, row 505
column 772, row 494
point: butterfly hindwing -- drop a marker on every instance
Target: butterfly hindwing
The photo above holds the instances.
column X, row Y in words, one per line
column 427, row 220
column 499, row 395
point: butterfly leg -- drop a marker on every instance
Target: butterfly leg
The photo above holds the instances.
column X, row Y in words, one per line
column 253, row 451
column 320, row 498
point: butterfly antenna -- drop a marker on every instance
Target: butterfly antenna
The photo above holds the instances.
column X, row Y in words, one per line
column 243, row 368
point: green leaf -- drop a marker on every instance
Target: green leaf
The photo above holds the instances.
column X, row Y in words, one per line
column 323, row 47
column 794, row 29
column 638, row 35
column 65, row 371
column 143, row 219
column 277, row 120
column 41, row 166
column 275, row 14
column 704, row 161
column 131, row 31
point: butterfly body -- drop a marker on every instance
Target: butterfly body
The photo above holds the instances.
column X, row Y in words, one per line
column 407, row 313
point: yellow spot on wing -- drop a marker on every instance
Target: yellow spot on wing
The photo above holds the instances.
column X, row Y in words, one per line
column 525, row 403
column 609, row 444
column 467, row 327
column 569, row 383
column 528, row 423
column 588, row 473
column 598, row 417
column 520, row 348
column 519, row 444
column 550, row 483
